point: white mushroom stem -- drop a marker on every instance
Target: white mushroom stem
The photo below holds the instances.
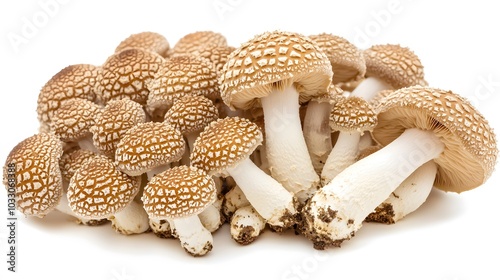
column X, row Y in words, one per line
column 271, row 200
column 408, row 197
column 337, row 210
column 211, row 218
column 132, row 219
column 195, row 239
column 365, row 141
column 161, row 228
column 369, row 88
column 343, row 154
column 156, row 170
column 246, row 225
column 286, row 148
column 317, row 133
column 87, row 143
column 233, row 200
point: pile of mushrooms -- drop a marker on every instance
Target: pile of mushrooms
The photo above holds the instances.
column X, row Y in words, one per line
column 286, row 132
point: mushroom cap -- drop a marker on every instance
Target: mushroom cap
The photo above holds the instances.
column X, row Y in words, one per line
column 274, row 61
column 217, row 55
column 74, row 81
column 71, row 161
column 180, row 191
column 352, row 114
column 148, row 145
column 348, row 63
column 98, row 189
column 396, row 65
column 192, row 43
column 191, row 113
column 330, row 96
column 126, row 74
column 117, row 117
column 150, row 41
column 181, row 76
column 73, row 120
column 376, row 101
column 470, row 151
column 224, row 143
column 38, row 180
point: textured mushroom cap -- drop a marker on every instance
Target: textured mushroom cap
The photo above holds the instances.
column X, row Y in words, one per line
column 178, row 192
column 192, row 43
column 398, row 66
column 181, row 76
column 148, row 145
column 150, row 41
column 224, row 143
column 98, row 189
column 117, row 117
column 191, row 113
column 71, row 161
column 330, row 96
column 74, row 81
column 352, row 114
column 217, row 55
column 38, row 181
column 274, row 60
column 376, row 101
column 73, row 120
column 347, row 60
column 126, row 75
column 470, row 151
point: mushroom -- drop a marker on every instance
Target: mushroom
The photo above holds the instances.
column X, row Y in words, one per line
column 279, row 70
column 126, row 74
column 193, row 43
column 224, row 148
column 150, row 41
column 117, row 117
column 71, row 161
column 415, row 125
column 98, row 190
column 216, row 54
column 179, row 194
column 233, row 200
column 149, row 148
column 74, row 81
column 351, row 116
column 178, row 77
column 246, row 225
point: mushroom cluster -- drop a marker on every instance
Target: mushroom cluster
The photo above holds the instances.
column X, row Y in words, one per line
column 285, row 132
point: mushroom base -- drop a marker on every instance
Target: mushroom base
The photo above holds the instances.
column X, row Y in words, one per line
column 246, row 225
column 131, row 220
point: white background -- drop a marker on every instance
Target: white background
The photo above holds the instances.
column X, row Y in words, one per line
column 451, row 237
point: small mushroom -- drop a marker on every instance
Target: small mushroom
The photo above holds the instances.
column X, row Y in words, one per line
column 193, row 43
column 150, row 41
column 180, row 194
column 246, row 225
column 72, row 160
column 233, row 200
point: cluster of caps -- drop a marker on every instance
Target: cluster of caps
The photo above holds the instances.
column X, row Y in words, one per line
column 289, row 132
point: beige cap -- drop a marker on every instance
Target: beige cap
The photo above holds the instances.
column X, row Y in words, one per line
column 352, row 114
column 73, row 120
column 274, row 60
column 72, row 160
column 150, row 41
column 192, row 43
column 191, row 113
column 470, row 151
column 217, row 55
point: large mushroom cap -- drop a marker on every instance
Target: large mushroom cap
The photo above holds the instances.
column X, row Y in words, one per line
column 470, row 146
column 191, row 113
column 192, row 43
column 274, row 60
column 224, row 143
column 150, row 41
column 396, row 65
column 34, row 163
column 178, row 192
column 98, row 189
column 148, row 145
column 352, row 114
column 73, row 120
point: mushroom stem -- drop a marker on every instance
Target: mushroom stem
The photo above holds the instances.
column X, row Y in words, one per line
column 286, row 148
column 195, row 239
column 87, row 143
column 337, row 210
column 408, row 197
column 161, row 228
column 246, row 225
column 130, row 220
column 365, row 141
column 190, row 138
column 271, row 200
column 369, row 87
column 211, row 218
column 155, row 170
column 233, row 200
column 343, row 155
column 317, row 133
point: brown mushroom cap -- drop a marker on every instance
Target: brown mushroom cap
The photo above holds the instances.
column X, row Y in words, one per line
column 126, row 75
column 148, row 145
column 117, row 117
column 71, row 161
column 352, row 114
column 178, row 192
column 73, row 120
column 217, row 55
column 191, row 113
column 98, row 189
column 398, row 66
column 274, row 60
column 38, row 181
column 192, row 43
column 150, row 41
column 224, row 143
column 470, row 151
column 74, row 81
column 348, row 63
